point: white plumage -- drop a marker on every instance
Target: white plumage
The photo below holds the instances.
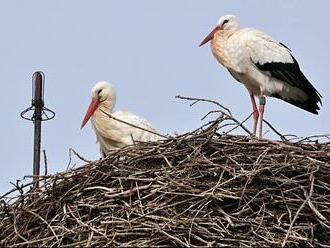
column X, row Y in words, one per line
column 265, row 66
column 111, row 133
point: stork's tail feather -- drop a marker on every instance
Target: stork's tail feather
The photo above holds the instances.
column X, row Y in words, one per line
column 310, row 105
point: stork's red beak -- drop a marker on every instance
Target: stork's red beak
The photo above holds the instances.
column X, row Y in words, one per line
column 210, row 36
column 92, row 107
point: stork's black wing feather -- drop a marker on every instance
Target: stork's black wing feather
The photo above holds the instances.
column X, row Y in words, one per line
column 292, row 75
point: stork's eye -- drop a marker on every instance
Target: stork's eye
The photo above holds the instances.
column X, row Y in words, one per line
column 99, row 91
column 224, row 22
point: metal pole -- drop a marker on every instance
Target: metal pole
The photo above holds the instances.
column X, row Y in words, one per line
column 37, row 102
column 40, row 113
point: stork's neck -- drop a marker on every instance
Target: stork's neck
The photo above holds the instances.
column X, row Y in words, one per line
column 219, row 45
column 223, row 35
column 106, row 106
column 100, row 121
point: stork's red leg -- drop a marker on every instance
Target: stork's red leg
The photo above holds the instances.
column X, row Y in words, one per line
column 255, row 113
column 262, row 103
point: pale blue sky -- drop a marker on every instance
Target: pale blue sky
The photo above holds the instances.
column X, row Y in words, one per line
column 149, row 50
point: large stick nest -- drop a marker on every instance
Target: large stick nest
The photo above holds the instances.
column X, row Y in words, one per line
column 204, row 188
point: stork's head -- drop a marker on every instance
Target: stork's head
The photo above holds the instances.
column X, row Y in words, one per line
column 226, row 24
column 104, row 94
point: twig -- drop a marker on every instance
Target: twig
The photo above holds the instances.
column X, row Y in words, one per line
column 275, row 131
column 228, row 114
column 195, row 99
column 71, row 150
column 297, row 213
column 132, row 125
column 45, row 161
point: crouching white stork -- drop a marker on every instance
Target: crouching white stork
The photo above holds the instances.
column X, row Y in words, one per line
column 265, row 66
column 119, row 129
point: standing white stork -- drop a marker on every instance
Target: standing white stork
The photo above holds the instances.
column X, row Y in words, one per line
column 265, row 66
column 122, row 130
